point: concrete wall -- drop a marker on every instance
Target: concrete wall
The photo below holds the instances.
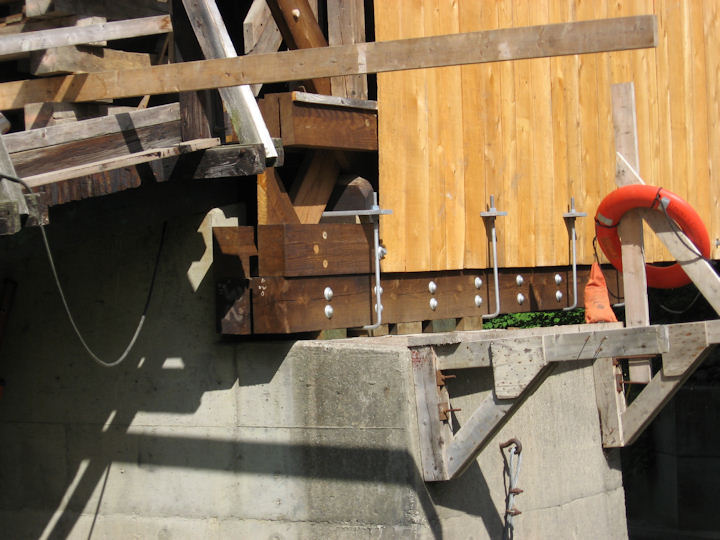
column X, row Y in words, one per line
column 197, row 437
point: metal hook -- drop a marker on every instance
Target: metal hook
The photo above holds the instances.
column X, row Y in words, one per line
column 571, row 216
column 490, row 216
column 374, row 212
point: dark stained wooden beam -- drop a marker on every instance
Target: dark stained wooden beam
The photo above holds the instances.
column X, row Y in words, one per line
column 288, row 305
column 321, row 125
column 315, row 250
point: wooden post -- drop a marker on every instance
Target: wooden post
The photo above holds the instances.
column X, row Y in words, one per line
column 12, row 200
column 346, row 24
column 631, row 228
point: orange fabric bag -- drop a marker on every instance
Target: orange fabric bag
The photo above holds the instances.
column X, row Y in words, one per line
column 597, row 301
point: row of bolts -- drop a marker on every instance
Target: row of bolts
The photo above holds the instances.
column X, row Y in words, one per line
column 432, row 288
column 490, row 216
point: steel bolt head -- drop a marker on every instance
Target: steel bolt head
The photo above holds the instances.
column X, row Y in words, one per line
column 432, row 287
column 558, row 296
column 478, row 282
column 328, row 293
column 433, row 304
column 478, row 300
column 329, row 311
column 520, row 298
column 519, row 280
column 558, row 279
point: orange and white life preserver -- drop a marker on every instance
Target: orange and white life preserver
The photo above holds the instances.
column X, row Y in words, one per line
column 626, row 198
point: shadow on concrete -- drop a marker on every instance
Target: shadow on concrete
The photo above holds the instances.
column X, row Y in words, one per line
column 64, row 421
column 347, row 464
column 455, row 494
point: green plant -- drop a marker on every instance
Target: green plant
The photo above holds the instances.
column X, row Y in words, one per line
column 536, row 318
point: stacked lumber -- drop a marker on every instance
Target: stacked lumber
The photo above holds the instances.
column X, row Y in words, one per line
column 74, row 148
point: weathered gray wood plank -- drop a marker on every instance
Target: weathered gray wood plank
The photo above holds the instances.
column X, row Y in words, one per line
column 515, row 364
column 118, row 162
column 471, row 436
column 639, row 341
column 653, row 398
column 698, row 269
column 434, row 436
column 436, row 51
column 31, row 139
column 610, row 402
column 77, row 35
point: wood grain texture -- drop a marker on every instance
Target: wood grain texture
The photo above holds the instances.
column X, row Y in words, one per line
column 534, row 149
column 376, row 57
column 61, row 37
column 311, row 191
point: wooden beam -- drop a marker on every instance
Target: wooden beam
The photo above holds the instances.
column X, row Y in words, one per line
column 473, row 350
column 300, row 30
column 261, row 34
column 637, row 311
column 315, row 250
column 114, row 145
column 110, row 8
column 118, row 162
column 436, row 51
column 646, row 406
column 229, row 161
column 11, row 195
column 21, row 141
column 32, row 25
column 310, row 124
column 239, row 101
column 434, row 435
column 610, row 400
column 515, row 364
column 695, row 266
column 77, row 35
column 260, row 30
column 273, row 202
column 469, row 440
column 311, row 191
column 297, row 304
column 85, row 59
column 346, row 24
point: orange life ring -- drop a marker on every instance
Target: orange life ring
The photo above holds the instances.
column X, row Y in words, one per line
column 626, row 198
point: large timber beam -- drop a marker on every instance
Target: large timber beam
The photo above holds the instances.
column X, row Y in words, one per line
column 427, row 52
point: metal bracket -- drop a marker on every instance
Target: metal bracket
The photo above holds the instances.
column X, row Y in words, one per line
column 490, row 216
column 374, row 212
column 571, row 216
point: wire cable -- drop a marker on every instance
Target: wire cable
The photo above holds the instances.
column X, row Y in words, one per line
column 51, row 260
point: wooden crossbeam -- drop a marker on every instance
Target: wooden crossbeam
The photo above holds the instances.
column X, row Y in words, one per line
column 78, row 35
column 44, row 137
column 119, row 162
column 456, row 49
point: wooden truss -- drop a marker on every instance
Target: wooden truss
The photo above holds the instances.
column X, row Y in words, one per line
column 519, row 360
